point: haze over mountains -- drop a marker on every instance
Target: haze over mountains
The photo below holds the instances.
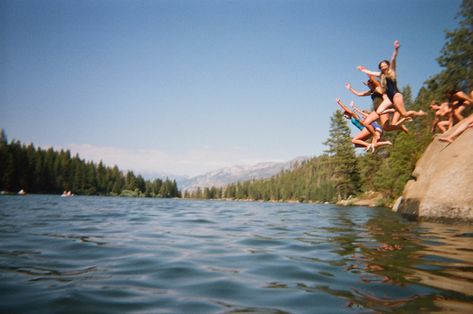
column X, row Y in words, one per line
column 224, row 176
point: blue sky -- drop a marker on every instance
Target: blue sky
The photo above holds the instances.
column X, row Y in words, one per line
column 184, row 87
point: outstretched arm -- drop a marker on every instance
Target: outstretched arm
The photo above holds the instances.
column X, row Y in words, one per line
column 368, row 72
column 345, row 108
column 358, row 110
column 357, row 93
column 375, row 81
column 394, row 56
column 464, row 96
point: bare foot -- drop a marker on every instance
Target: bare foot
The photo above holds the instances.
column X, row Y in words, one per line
column 445, row 139
column 370, row 147
column 400, row 121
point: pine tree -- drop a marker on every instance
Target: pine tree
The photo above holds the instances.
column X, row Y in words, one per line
column 342, row 157
column 456, row 57
column 3, row 138
column 140, row 184
column 50, row 171
column 8, row 173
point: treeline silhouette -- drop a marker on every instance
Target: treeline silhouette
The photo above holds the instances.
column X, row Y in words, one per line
column 37, row 170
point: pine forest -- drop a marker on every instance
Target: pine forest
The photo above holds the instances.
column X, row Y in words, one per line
column 36, row 170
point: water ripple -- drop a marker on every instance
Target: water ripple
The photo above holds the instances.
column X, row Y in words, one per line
column 109, row 255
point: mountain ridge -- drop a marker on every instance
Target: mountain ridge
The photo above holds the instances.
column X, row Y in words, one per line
column 232, row 174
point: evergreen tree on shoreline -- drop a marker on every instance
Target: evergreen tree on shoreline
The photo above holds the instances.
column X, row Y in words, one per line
column 456, row 57
column 342, row 157
column 36, row 170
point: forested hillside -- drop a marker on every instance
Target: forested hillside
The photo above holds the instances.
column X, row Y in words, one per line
column 36, row 170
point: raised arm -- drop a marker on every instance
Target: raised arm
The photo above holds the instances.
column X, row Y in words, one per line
column 394, row 56
column 345, row 108
column 368, row 72
column 357, row 93
column 358, row 110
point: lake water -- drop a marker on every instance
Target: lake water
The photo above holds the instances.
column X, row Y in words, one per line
column 125, row 255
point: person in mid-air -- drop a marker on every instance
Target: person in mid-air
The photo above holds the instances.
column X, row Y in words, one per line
column 388, row 77
column 379, row 98
column 360, row 139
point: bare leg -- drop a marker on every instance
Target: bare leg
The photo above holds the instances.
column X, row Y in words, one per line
column 391, row 110
column 465, row 96
column 358, row 140
column 382, row 143
column 458, row 113
column 401, row 120
column 384, row 118
column 385, row 104
column 396, row 116
column 444, row 126
column 404, row 129
column 373, row 116
column 377, row 143
column 462, row 126
column 398, row 102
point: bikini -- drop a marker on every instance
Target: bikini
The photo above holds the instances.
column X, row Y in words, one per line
column 360, row 126
column 357, row 123
column 377, row 127
column 377, row 99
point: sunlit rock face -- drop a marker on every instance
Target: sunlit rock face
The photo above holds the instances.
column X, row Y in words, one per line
column 442, row 182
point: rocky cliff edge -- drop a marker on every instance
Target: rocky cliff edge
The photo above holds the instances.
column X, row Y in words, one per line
column 442, row 184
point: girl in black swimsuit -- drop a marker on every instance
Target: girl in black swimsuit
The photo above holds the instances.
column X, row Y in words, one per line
column 389, row 84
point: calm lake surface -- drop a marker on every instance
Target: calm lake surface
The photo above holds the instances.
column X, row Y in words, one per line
column 125, row 255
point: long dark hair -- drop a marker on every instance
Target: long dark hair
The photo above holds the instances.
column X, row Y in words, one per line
column 384, row 61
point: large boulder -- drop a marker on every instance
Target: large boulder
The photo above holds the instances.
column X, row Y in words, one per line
column 442, row 184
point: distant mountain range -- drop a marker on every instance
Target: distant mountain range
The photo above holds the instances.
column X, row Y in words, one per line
column 224, row 176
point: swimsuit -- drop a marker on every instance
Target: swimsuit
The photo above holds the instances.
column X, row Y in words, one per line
column 375, row 95
column 357, row 123
column 377, row 127
column 360, row 126
column 377, row 100
column 391, row 87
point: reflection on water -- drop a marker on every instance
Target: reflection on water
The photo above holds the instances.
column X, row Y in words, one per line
column 396, row 253
column 109, row 255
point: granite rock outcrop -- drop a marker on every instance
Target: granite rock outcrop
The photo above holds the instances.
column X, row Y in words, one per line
column 442, row 181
